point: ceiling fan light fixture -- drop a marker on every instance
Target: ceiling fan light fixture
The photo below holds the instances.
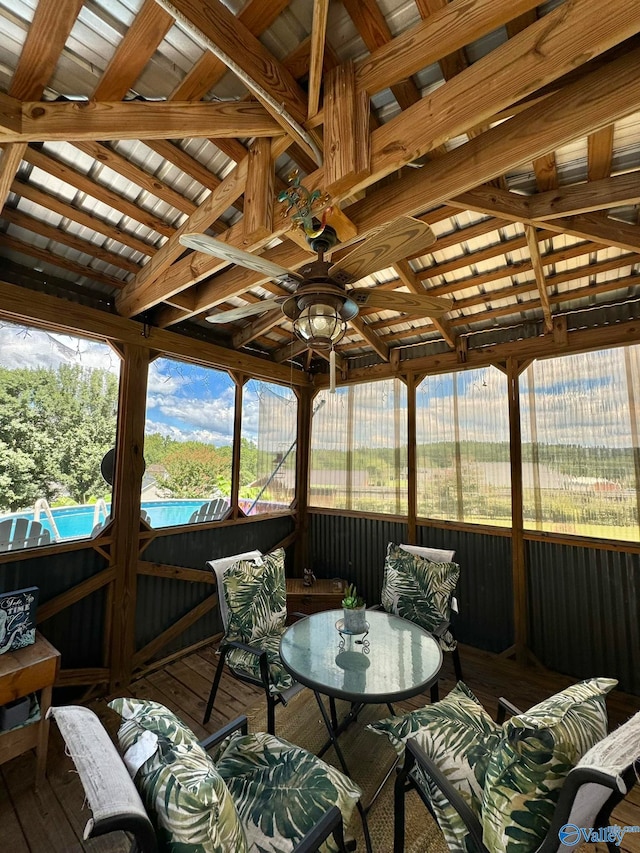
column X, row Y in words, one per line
column 319, row 324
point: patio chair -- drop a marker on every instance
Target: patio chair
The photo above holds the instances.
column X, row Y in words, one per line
column 253, row 605
column 253, row 792
column 544, row 781
column 419, row 585
column 17, row 533
column 214, row 510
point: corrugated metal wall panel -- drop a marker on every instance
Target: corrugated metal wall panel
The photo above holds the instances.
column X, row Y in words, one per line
column 193, row 548
column 584, row 610
column 77, row 631
column 485, row 588
column 162, row 601
column 353, row 548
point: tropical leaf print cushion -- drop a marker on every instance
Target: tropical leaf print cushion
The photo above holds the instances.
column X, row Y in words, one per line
column 419, row 590
column 281, row 791
column 256, row 595
column 459, row 736
column 536, row 751
column 185, row 796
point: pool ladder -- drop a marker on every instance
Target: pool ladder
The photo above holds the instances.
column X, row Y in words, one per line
column 42, row 506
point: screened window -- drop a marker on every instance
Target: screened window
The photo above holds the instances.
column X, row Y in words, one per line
column 462, row 447
column 58, row 410
column 268, row 449
column 188, row 444
column 359, row 448
column 581, row 462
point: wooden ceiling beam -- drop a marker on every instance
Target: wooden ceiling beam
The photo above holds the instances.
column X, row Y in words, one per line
column 123, row 166
column 81, row 217
column 82, row 182
column 457, row 24
column 59, row 314
column 538, row 269
column 601, row 194
column 316, row 58
column 145, row 33
column 227, row 32
column 455, row 62
column 375, row 33
column 414, row 283
column 141, row 294
column 52, row 22
column 69, row 121
column 257, row 328
column 370, row 337
column 66, row 238
column 49, row 257
column 502, row 77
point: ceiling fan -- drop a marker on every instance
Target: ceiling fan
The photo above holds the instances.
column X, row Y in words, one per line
column 321, row 305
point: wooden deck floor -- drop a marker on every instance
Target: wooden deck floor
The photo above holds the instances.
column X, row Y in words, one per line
column 52, row 820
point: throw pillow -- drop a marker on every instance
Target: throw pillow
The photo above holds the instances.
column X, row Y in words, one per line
column 281, row 790
column 185, row 796
column 527, row 769
column 419, row 590
column 256, row 596
column 458, row 736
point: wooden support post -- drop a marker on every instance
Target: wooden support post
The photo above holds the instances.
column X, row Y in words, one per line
column 346, row 130
column 303, row 461
column 258, row 194
column 127, row 485
column 519, row 569
column 239, row 379
column 412, row 477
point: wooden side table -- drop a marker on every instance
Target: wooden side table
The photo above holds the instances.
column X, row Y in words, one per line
column 23, row 672
column 323, row 595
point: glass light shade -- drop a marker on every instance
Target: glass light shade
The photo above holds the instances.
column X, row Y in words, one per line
column 320, row 325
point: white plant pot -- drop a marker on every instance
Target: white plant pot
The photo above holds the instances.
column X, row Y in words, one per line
column 355, row 619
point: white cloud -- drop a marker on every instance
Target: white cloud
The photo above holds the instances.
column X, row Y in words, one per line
column 26, row 347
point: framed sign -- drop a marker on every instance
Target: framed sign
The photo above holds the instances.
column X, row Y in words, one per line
column 18, row 618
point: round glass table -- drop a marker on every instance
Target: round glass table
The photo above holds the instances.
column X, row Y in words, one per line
column 392, row 659
column 395, row 659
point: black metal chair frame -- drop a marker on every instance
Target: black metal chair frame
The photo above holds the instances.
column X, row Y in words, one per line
column 416, row 758
column 141, row 828
column 264, row 682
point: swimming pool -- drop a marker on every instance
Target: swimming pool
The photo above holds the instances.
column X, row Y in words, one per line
column 78, row 522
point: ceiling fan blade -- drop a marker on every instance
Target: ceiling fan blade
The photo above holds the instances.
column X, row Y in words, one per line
column 400, row 239
column 219, row 249
column 234, row 314
column 406, row 303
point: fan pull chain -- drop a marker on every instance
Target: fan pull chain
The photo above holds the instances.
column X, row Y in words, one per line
column 332, row 371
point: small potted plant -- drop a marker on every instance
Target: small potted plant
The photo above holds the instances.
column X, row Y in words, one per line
column 353, row 607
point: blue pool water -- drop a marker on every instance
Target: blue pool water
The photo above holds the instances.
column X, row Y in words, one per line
column 77, row 522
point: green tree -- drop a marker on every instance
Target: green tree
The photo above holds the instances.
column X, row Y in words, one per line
column 55, row 427
column 197, row 470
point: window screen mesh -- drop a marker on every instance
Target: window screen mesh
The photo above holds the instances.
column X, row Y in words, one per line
column 579, row 418
column 359, row 448
column 462, row 447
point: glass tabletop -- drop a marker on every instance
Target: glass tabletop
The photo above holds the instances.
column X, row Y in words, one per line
column 395, row 660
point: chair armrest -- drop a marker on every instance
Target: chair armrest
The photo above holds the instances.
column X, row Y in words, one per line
column 298, row 614
column 441, row 629
column 505, row 707
column 375, row 607
column 330, row 823
column 415, row 753
column 240, row 724
column 244, row 647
